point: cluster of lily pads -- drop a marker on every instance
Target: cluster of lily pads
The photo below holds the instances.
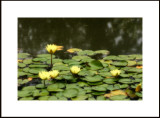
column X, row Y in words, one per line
column 82, row 77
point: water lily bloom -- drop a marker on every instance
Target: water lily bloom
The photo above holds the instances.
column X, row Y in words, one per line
column 54, row 73
column 75, row 69
column 44, row 75
column 115, row 72
column 51, row 48
column 59, row 47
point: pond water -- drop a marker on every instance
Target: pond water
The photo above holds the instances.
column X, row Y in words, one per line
column 118, row 35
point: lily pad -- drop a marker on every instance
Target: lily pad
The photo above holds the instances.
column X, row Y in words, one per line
column 125, row 81
column 23, row 55
column 120, row 63
column 39, row 59
column 118, row 97
column 36, row 70
column 96, row 78
column 24, row 93
column 132, row 63
column 27, row 61
column 54, row 87
column 43, row 98
column 104, row 52
column 70, row 93
column 52, row 98
column 27, row 98
column 99, row 88
column 96, row 64
column 100, row 98
column 110, row 80
column 37, row 66
column 81, row 97
column 22, row 65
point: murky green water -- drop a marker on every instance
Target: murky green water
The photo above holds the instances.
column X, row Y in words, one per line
column 118, row 35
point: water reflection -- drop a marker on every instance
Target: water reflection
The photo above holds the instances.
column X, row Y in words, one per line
column 118, row 35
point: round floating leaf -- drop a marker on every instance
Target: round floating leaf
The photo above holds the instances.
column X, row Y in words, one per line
column 27, row 98
column 22, row 65
column 120, row 63
column 40, row 86
column 118, row 97
column 43, row 98
column 100, row 98
column 124, row 75
column 60, row 68
column 88, row 89
column 99, row 88
column 71, row 86
column 95, row 83
column 91, row 98
column 123, row 86
column 98, row 92
column 62, row 98
column 125, row 81
column 37, row 66
column 139, row 63
column 54, row 87
column 52, row 98
column 86, row 52
column 26, row 69
column 80, row 97
column 36, row 70
column 24, row 93
column 96, row 64
column 96, row 78
column 40, row 59
column 110, row 80
column 27, row 61
column 82, row 84
column 139, row 94
column 54, row 61
column 22, row 74
column 29, row 88
column 105, row 52
column 78, row 58
column 134, row 70
column 111, row 57
column 130, row 93
column 74, row 50
column 23, row 55
column 69, row 93
column 132, row 63
column 115, row 93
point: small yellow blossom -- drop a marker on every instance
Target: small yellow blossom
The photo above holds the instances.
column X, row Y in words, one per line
column 51, row 48
column 44, row 75
column 75, row 69
column 54, row 73
column 115, row 72
column 59, row 47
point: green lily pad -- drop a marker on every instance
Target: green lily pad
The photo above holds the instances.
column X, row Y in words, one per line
column 26, row 69
column 36, row 70
column 23, row 55
column 52, row 98
column 98, row 93
column 43, row 98
column 60, row 68
column 62, row 98
column 96, row 64
column 96, row 78
column 101, row 98
column 110, row 80
column 124, row 75
column 117, row 97
column 134, row 70
column 120, row 63
column 125, row 81
column 81, row 97
column 124, row 86
column 29, row 88
column 82, row 84
column 54, row 87
column 99, row 88
column 70, row 93
column 24, row 93
column 37, row 66
column 22, row 65
column 27, row 98
column 86, row 52
column 132, row 63
column 39, row 59
column 27, row 61
column 22, row 74
column 104, row 52
column 139, row 63
column 54, row 61
column 79, row 58
column 40, row 86
column 139, row 94
column 111, row 57
column 95, row 83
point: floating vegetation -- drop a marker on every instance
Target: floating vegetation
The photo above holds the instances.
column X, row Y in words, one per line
column 82, row 77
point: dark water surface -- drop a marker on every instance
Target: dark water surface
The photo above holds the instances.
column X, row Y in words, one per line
column 118, row 35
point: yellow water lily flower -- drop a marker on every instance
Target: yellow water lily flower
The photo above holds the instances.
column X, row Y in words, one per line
column 115, row 72
column 59, row 47
column 75, row 69
column 44, row 75
column 54, row 73
column 51, row 48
